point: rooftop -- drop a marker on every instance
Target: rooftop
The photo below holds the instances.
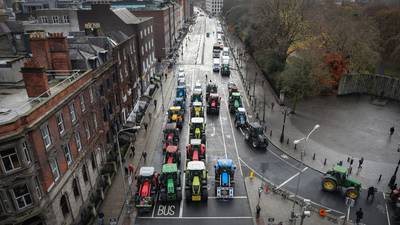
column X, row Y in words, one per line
column 14, row 101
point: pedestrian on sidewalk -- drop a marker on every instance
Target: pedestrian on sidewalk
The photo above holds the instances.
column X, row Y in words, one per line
column 371, row 193
column 359, row 215
column 351, row 161
column 360, row 162
column 166, row 76
column 155, row 103
column 272, row 106
column 144, row 155
column 206, row 78
column 350, row 169
column 391, row 131
column 150, row 116
column 145, row 126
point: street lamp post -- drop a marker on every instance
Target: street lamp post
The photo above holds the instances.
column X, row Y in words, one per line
column 394, row 176
column 120, row 160
column 283, row 125
column 292, row 214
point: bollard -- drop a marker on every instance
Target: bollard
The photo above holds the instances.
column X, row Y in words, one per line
column 270, row 133
column 295, row 146
column 287, row 142
column 380, row 177
column 313, row 157
column 325, row 162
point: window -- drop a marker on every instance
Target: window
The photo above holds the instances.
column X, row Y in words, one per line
column 152, row 42
column 141, row 34
column 64, row 205
column 87, row 130
column 37, row 188
column 65, row 19
column 56, row 19
column 43, row 19
column 26, row 152
column 60, row 123
column 10, row 159
column 151, row 28
column 142, row 50
column 46, row 135
column 95, row 121
column 82, row 101
column 72, row 112
column 67, row 154
column 93, row 160
column 91, row 95
column 75, row 187
column 78, row 141
column 84, row 173
column 54, row 169
column 22, row 196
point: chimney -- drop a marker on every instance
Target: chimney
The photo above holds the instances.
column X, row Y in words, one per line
column 59, row 51
column 40, row 49
column 35, row 79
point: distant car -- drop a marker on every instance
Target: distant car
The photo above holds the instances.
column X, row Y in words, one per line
column 198, row 86
column 181, row 75
column 181, row 70
column 216, row 64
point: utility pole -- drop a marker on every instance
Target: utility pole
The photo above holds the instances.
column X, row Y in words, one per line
column 283, row 125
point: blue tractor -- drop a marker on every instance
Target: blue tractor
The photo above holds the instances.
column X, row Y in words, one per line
column 241, row 118
column 181, row 92
column 224, row 178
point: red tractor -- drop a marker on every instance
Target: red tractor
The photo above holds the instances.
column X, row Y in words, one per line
column 196, row 151
column 171, row 135
column 172, row 155
column 213, row 103
column 146, row 192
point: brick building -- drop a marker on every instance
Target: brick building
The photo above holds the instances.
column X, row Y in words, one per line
column 57, row 135
column 113, row 23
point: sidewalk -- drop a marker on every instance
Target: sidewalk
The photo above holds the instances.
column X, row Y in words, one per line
column 112, row 206
column 348, row 142
column 275, row 208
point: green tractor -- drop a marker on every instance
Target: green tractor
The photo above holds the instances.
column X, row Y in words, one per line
column 196, row 182
column 225, row 70
column 235, row 102
column 170, row 183
column 339, row 177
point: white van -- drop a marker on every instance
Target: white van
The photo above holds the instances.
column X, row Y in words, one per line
column 225, row 60
column 225, row 51
column 216, row 64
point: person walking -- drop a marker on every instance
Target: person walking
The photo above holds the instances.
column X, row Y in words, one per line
column 359, row 215
column 144, row 155
column 360, row 162
column 145, row 126
column 155, row 103
column 391, row 131
column 206, row 78
column 371, row 193
column 272, row 106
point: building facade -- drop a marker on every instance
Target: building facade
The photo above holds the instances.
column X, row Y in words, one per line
column 57, row 142
column 214, row 7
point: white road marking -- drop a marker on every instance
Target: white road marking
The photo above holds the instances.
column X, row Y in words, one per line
column 183, row 194
column 154, row 207
column 241, row 131
column 348, row 213
column 197, row 217
column 223, row 137
column 291, row 178
column 387, row 211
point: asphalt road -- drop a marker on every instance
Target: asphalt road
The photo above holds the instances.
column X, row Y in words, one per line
column 197, row 61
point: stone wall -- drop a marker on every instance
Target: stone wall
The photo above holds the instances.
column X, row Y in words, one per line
column 377, row 85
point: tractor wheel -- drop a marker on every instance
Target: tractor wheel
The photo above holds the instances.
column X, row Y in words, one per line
column 352, row 193
column 329, row 184
column 204, row 195
column 188, row 196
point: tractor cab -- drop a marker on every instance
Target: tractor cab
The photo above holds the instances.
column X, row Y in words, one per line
column 147, row 185
column 170, row 183
column 171, row 135
column 181, row 82
column 240, row 117
column 180, row 101
column 197, row 129
column 197, row 109
column 197, row 95
column 338, row 177
column 224, row 178
column 196, row 150
column 175, row 115
column 235, row 102
column 232, row 88
column 211, row 88
column 172, row 155
column 181, row 91
column 196, row 182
